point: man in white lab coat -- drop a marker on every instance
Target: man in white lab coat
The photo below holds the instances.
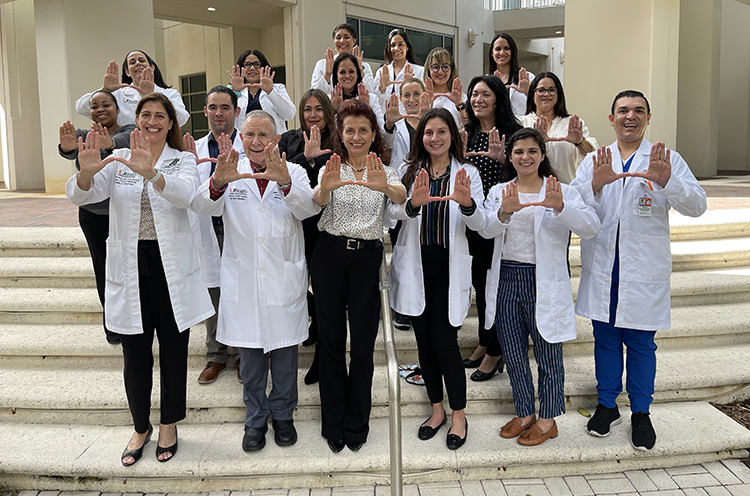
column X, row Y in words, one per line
column 263, row 308
column 220, row 109
column 625, row 273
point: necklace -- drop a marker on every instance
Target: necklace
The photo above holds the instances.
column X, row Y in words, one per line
column 357, row 170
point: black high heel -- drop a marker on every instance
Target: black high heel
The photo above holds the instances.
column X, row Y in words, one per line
column 479, row 376
column 137, row 453
column 171, row 449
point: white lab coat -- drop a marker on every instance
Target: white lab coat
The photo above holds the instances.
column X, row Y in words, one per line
column 518, row 99
column 401, row 146
column 555, row 316
column 202, row 225
column 187, row 291
column 644, row 243
column 277, row 103
column 442, row 101
column 395, row 88
column 319, row 82
column 127, row 100
column 405, row 275
column 263, row 270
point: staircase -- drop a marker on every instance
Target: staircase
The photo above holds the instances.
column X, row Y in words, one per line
column 64, row 419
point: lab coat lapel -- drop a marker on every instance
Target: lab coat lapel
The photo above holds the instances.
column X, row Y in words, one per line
column 539, row 211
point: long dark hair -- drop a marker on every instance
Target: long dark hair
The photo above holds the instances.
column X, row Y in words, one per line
column 335, row 71
column 261, row 58
column 410, row 57
column 158, row 78
column 545, row 167
column 326, row 134
column 560, row 109
column 174, row 138
column 505, row 122
column 356, row 108
column 515, row 66
column 418, row 157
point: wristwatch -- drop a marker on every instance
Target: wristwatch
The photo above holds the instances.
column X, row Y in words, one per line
column 461, row 106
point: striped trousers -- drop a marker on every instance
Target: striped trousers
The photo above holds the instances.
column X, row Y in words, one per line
column 515, row 320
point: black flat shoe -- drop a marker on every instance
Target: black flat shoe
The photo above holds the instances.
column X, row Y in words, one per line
column 137, row 453
column 254, row 438
column 426, row 432
column 336, row 445
column 479, row 376
column 355, row 446
column 172, row 450
column 284, row 432
column 454, row 442
column 470, row 364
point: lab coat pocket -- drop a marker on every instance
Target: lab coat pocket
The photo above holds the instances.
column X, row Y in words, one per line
column 291, row 283
column 230, row 269
column 114, row 268
column 187, row 253
column 463, row 277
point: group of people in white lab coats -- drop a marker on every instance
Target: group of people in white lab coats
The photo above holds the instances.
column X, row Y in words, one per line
column 213, row 229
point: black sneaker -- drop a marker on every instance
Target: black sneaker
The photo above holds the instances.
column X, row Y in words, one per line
column 402, row 322
column 644, row 436
column 603, row 420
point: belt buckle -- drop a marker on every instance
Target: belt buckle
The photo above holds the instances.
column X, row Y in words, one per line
column 352, row 244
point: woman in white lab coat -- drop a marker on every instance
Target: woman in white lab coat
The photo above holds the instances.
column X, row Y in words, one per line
column 431, row 267
column 528, row 286
column 442, row 82
column 252, row 80
column 153, row 277
column 503, row 63
column 400, row 64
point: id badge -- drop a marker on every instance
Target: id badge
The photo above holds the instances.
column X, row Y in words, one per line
column 644, row 206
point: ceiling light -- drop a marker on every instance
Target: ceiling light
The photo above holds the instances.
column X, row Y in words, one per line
column 211, row 9
column 556, row 32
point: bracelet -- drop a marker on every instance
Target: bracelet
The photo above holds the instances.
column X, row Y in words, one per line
column 505, row 214
column 579, row 144
column 156, row 178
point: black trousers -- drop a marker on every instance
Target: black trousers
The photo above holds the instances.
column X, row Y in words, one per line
column 481, row 251
column 437, row 340
column 156, row 315
column 346, row 282
column 95, row 229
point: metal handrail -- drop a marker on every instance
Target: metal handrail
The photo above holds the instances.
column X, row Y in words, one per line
column 394, row 385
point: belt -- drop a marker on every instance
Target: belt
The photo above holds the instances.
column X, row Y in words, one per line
column 356, row 244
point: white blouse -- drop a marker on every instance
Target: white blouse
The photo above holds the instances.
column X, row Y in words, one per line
column 519, row 237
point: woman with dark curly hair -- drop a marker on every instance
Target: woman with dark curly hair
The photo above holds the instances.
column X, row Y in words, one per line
column 354, row 188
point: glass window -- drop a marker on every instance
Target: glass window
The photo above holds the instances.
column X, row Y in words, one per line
column 194, row 97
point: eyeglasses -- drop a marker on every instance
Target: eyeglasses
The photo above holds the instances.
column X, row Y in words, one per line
column 541, row 91
column 444, row 67
column 248, row 65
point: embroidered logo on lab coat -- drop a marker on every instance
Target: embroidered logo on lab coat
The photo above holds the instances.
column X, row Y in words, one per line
column 171, row 167
column 237, row 194
column 126, row 178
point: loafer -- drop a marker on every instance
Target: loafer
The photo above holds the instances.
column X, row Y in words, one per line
column 254, row 438
column 426, row 432
column 211, row 372
column 515, row 427
column 284, row 432
column 454, row 442
column 336, row 445
column 355, row 446
column 533, row 436
column 471, row 364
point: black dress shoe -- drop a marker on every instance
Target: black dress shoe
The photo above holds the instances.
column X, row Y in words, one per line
column 137, row 453
column 470, row 364
column 454, row 442
column 479, row 376
column 284, row 432
column 336, row 445
column 254, row 438
column 172, row 450
column 426, row 432
column 355, row 446
column 112, row 337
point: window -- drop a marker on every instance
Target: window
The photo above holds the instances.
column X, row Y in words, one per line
column 372, row 37
column 194, row 96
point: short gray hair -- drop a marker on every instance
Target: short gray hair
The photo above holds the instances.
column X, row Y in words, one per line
column 263, row 115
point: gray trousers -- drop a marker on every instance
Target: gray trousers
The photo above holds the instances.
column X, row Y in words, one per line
column 215, row 351
column 282, row 400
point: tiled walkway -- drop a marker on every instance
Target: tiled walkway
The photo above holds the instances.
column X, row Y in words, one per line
column 727, row 478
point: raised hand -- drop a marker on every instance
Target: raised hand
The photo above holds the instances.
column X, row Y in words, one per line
column 425, row 104
column 141, row 161
column 659, row 165
column 146, row 84
column 385, row 79
column 111, row 78
column 498, row 75
column 602, row 173
column 542, row 125
column 408, row 71
column 266, row 80
column 330, row 58
column 312, row 145
column 363, row 94
column 189, row 142
column 575, row 131
column 237, row 78
column 457, row 92
column 276, row 169
column 337, row 97
column 420, row 192
column 430, row 88
column 511, row 204
column 461, row 189
column 68, row 140
column 392, row 111
column 376, row 178
column 359, row 54
column 523, row 82
column 496, row 149
column 105, row 142
column 464, row 141
column 331, row 178
column 553, row 197
column 226, row 169
column 90, row 159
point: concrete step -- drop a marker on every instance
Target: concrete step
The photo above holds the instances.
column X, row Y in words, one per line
column 42, row 242
column 46, row 272
column 210, row 456
column 42, row 390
